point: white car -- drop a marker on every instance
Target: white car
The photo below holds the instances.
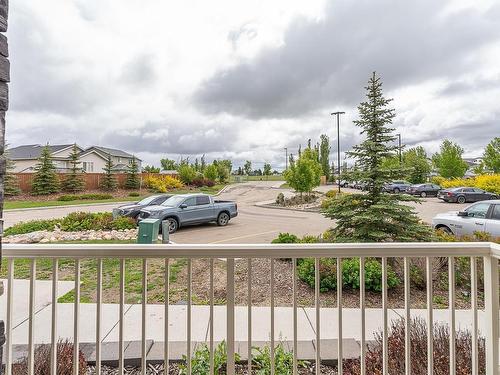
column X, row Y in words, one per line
column 482, row 216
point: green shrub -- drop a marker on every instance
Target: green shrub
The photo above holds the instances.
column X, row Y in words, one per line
column 134, row 194
column 186, row 173
column 327, row 273
column 350, row 274
column 286, row 238
column 200, row 361
column 283, row 360
column 122, row 223
column 31, row 226
column 74, row 222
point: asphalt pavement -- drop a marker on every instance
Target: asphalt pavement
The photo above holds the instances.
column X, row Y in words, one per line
column 254, row 224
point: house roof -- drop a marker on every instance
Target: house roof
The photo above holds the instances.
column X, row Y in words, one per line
column 110, row 151
column 33, row 151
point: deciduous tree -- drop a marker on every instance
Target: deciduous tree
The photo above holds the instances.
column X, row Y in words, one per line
column 491, row 157
column 304, row 174
column 448, row 161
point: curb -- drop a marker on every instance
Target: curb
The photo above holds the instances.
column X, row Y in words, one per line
column 63, row 206
column 266, row 205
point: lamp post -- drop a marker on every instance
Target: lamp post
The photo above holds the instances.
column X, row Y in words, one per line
column 338, row 142
column 286, row 158
column 400, row 153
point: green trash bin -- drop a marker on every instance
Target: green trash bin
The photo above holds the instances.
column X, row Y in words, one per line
column 148, row 231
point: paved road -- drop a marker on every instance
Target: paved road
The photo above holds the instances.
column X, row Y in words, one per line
column 253, row 224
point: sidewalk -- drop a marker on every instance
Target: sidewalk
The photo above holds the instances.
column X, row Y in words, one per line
column 306, row 333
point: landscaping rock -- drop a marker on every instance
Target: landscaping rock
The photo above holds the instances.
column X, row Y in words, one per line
column 60, row 236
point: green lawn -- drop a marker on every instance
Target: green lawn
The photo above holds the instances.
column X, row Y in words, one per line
column 111, row 276
column 33, row 204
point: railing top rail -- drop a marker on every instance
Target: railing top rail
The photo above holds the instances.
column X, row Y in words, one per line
column 495, row 250
column 347, row 250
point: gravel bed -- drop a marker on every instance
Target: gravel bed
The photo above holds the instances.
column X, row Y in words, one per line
column 174, row 370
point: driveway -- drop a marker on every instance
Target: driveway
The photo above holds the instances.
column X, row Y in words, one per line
column 253, row 224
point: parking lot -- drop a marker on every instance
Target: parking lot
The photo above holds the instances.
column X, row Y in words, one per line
column 253, row 225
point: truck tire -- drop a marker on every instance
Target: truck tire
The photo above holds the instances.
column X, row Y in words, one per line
column 223, row 219
column 173, row 225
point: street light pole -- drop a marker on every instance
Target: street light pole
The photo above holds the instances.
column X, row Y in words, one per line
column 286, row 158
column 338, row 142
column 400, row 153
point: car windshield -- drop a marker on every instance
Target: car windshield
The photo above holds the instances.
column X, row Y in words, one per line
column 147, row 200
column 173, row 201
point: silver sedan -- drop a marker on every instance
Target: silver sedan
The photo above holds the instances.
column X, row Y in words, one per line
column 483, row 216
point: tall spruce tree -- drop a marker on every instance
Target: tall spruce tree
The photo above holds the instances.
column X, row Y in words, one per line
column 45, row 180
column 375, row 216
column 73, row 181
column 109, row 180
column 11, row 182
column 132, row 181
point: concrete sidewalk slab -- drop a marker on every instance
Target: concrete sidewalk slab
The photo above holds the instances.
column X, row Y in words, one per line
column 20, row 300
column 65, row 330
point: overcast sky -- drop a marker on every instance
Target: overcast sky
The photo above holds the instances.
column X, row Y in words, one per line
column 243, row 79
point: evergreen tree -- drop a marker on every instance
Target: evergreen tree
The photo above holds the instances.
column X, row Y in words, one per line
column 324, row 155
column 375, row 216
column 492, row 155
column 448, row 161
column 132, row 181
column 73, row 181
column 109, row 180
column 45, row 180
column 11, row 182
column 203, row 164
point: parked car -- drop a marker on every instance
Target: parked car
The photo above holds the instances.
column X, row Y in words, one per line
column 343, row 183
column 352, row 184
column 132, row 209
column 190, row 209
column 396, row 187
column 424, row 190
column 465, row 194
column 478, row 217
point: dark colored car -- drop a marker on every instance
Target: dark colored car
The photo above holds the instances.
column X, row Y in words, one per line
column 132, row 209
column 397, row 187
column 464, row 195
column 424, row 190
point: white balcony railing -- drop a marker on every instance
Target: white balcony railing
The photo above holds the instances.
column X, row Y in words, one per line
column 490, row 253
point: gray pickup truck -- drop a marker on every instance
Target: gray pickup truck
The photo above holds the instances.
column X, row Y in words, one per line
column 190, row 209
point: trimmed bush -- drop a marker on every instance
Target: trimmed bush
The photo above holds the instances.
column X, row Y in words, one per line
column 186, row 173
column 286, row 238
column 162, row 183
column 201, row 182
column 134, row 194
column 490, row 183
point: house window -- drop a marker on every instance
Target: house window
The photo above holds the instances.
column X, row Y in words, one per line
column 88, row 166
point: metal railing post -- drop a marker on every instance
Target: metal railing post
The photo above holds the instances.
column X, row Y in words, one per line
column 230, row 317
column 491, row 313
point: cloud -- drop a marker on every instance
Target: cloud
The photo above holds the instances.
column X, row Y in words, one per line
column 325, row 62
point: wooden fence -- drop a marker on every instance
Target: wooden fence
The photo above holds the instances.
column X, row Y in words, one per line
column 92, row 180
